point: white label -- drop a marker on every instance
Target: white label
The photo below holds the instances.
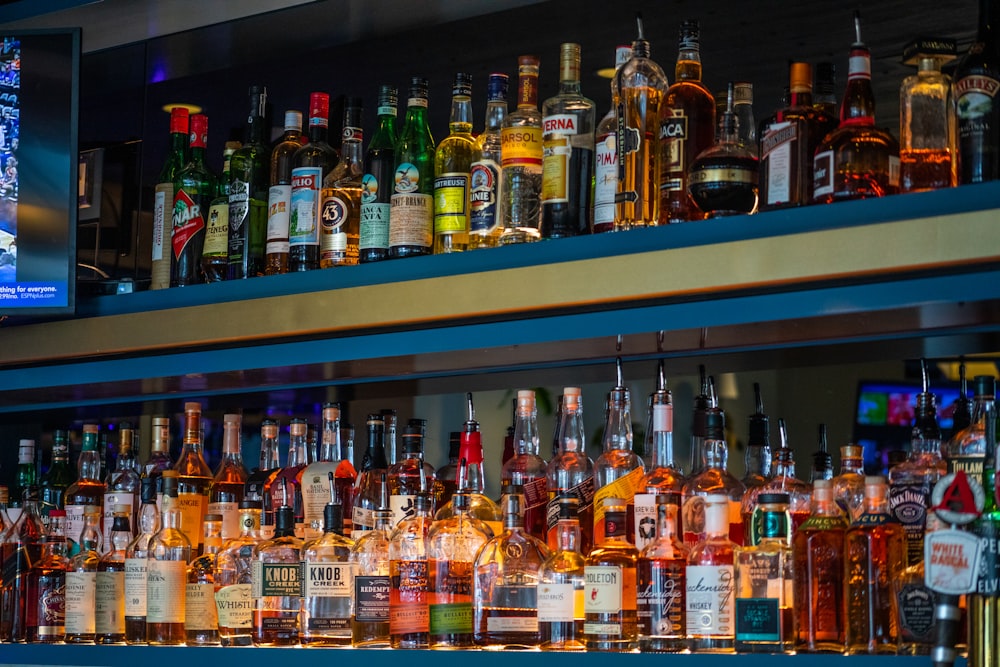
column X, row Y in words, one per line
column 234, row 606
column 230, row 513
column 605, row 180
column 74, row 522
column 329, row 580
column 165, row 594
column 81, row 596
column 315, row 485
column 555, row 603
column 403, row 507
column 512, row 624
column 159, row 206
column 709, row 600
column 859, row 67
column 894, row 170
column 951, row 560
column 109, row 607
column 199, row 613
column 602, row 629
column 135, row 587
column 604, row 589
column 645, row 519
column 823, row 174
column 110, row 500
column 779, row 168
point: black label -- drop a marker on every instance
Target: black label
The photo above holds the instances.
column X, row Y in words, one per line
column 916, row 613
column 757, row 619
column 371, row 599
column 988, row 579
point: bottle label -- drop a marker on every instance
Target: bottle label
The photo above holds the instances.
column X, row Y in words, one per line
column 411, row 220
column 603, row 592
column 110, row 500
column 450, row 618
column 363, row 520
column 823, row 174
column 303, row 227
column 521, row 146
column 408, row 610
column 403, row 507
column 315, row 495
column 557, row 133
column 908, row 506
column 333, row 238
column 234, row 606
column 777, row 148
column 187, row 222
column 276, row 579
column 660, row 599
column 645, row 519
column 673, row 137
column 81, row 596
column 605, row 181
column 162, row 219
column 628, row 139
column 975, row 103
column 135, row 587
column 988, row 577
column 374, row 226
column 109, row 603
column 199, row 612
column 625, row 488
column 74, row 522
column 328, row 580
column 230, row 513
column 504, row 624
column 239, row 204
column 451, row 203
column 584, row 491
column 165, row 598
column 709, row 600
column 859, row 66
column 483, row 196
column 52, row 608
column 279, row 203
column 916, row 613
column 217, row 231
column 557, row 603
column 758, row 619
column 192, row 509
column 371, row 599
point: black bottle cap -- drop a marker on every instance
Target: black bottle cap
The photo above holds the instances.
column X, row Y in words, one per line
column 758, row 424
column 569, row 507
column 147, row 489
column 822, row 459
column 333, row 518
column 250, row 504
column 773, row 498
column 419, row 87
column 985, row 385
column 702, row 402
column 454, row 444
column 284, row 521
column 715, row 424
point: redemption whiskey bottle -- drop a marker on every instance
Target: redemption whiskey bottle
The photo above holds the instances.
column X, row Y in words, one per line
column 521, row 160
column 372, row 584
column 341, row 210
column 411, row 216
column 611, row 615
column 527, row 469
column 452, row 172
column 485, row 223
column 279, row 195
column 376, row 184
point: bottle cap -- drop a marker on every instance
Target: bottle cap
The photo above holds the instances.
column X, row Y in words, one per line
column 773, row 499
column 249, row 504
column 293, row 120
column 333, row 517
column 463, row 85
column 525, row 401
column 147, row 490
column 319, row 109
column 121, row 508
column 569, row 62
column 26, row 451
column 419, row 87
column 179, row 119
column 571, row 398
column 742, row 92
column 985, row 385
column 940, row 48
column 690, row 33
column 800, row 77
column 298, row 427
column 874, row 486
column 269, row 429
column 214, row 517
column 497, row 88
column 852, row 452
column 388, row 97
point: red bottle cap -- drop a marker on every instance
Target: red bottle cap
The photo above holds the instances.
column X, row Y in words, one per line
column 319, row 109
column 199, row 131
column 179, row 120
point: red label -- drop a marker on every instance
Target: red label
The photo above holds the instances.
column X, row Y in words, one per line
column 188, row 221
column 559, row 124
column 305, row 181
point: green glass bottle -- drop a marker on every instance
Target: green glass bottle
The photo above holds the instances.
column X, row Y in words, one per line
column 163, row 198
column 59, row 476
column 215, row 253
column 376, row 185
column 249, row 171
column 194, row 188
column 985, row 601
column 411, row 217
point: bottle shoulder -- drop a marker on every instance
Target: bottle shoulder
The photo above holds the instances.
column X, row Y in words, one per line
column 328, row 548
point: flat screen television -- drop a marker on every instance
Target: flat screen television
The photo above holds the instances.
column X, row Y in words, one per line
column 39, row 187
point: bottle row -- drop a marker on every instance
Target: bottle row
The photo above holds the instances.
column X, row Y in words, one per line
column 662, row 154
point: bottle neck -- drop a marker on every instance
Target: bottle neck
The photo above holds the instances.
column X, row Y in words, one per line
column 758, row 460
column 527, row 90
column 89, row 464
column 416, row 115
column 526, row 433
column 256, row 128
column 688, row 65
column 876, row 503
column 179, row 145
column 149, row 519
column 231, row 440
column 858, row 107
column 329, row 448
column 352, row 152
column 376, row 448
column 851, row 465
column 318, row 130
column 618, row 429
column 192, row 432
column 571, row 434
column 461, row 115
column 800, row 98
column 784, row 465
column 715, row 454
column 663, row 436
column 496, row 111
column 120, row 536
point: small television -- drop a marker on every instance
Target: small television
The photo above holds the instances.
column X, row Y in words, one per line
column 39, row 187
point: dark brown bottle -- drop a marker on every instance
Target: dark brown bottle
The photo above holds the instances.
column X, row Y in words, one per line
column 977, row 81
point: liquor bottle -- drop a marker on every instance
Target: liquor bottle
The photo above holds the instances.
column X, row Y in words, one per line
column 411, row 216
column 452, row 172
column 372, row 584
column 928, row 154
column 527, row 469
column 168, row 553
column 194, row 478
column 279, row 196
column 556, row 438
column 521, row 160
column 822, row 467
column 27, row 476
column 259, row 480
column 606, row 156
column 87, row 491
column 163, row 198
column 109, row 585
column 663, row 474
column 723, row 179
column 568, row 153
column 327, row 580
column 570, row 474
column 758, row 448
column 310, row 165
column 159, row 456
column 446, row 477
column 341, row 210
column 857, row 160
column 45, row 600
column 505, row 582
column 686, row 128
column 248, row 193
column 411, row 476
column 136, row 557
column 201, row 618
column 611, row 614
column 485, row 223
column 747, row 123
column 661, row 582
column 409, row 614
column 81, row 582
column 368, row 489
column 194, row 188
column 966, row 450
column 288, row 480
column 233, row 584
column 977, row 79
column 122, row 486
column 390, row 426
column 376, row 184
column 783, row 480
column 20, row 548
column 452, row 544
column 701, row 405
column 561, row 579
column 215, row 252
column 276, row 580
column 983, row 604
column 849, row 484
column 59, row 476
column 875, row 549
column 825, row 89
column 711, row 621
column 230, row 479
column 315, row 494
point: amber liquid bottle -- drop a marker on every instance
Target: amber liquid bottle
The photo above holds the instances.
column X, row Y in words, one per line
column 194, row 481
column 611, row 621
column 229, row 483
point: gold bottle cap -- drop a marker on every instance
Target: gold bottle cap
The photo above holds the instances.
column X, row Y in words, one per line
column 800, row 78
column 851, row 452
column 569, row 62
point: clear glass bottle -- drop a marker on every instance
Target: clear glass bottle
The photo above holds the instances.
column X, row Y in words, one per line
column 977, row 78
column 279, row 195
column 201, row 618
column 194, row 481
column 286, row 485
column 234, row 579
column 409, row 611
column 159, row 456
column 60, row 475
column 122, row 484
column 377, row 183
column 570, row 474
column 606, row 156
column 610, row 610
column 661, row 598
column 109, row 597
column 260, row 477
column 81, row 581
column 163, row 198
column 521, row 165
column 411, row 476
column 411, row 218
column 765, row 621
column 372, row 584
column 229, row 483
column 249, row 176
column 315, row 495
column 310, row 165
column 747, row 122
column 276, row 578
column 663, row 474
column 195, row 185
column 561, row 595
column 928, row 153
column 527, row 468
column 340, row 217
column 822, row 461
column 966, row 450
column 711, row 620
column 849, row 484
column 168, row 553
column 485, row 219
column 87, row 491
column 136, row 562
column 44, row 604
column 446, row 477
column 568, row 153
column 701, row 405
column 452, row 172
column 374, row 469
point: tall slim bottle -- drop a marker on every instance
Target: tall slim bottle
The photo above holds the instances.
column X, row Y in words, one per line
column 315, row 494
column 81, row 582
column 248, row 193
column 453, row 172
column 377, row 183
column 485, row 220
column 194, row 480
column 411, row 216
column 409, row 613
column 136, row 562
column 279, row 196
column 87, row 491
column 163, row 198
column 53, row 485
column 711, row 621
column 194, row 188
column 341, row 208
column 368, row 488
column 159, row 456
column 526, row 468
column 663, row 475
column 285, row 487
column 561, row 584
column 168, row 554
column 27, row 476
column 122, row 486
column 570, row 474
column 230, row 479
column 606, row 156
column 521, row 160
column 215, row 253
column 267, row 467
column 109, row 602
column 977, row 80
column 966, row 450
column 310, row 165
column 661, row 582
column 20, row 548
column 45, row 604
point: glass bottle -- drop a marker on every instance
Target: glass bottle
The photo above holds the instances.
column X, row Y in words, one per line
column 260, row 478
column 81, row 581
column 159, row 456
column 568, row 155
column 606, row 156
column 446, row 477
column 310, row 165
column 109, row 595
column 711, row 621
column 279, row 195
column 327, row 580
column 376, row 184
column 977, row 79
column 372, row 584
column 215, row 252
column 45, row 600
column 249, row 181
column 962, row 407
column 194, row 478
column 390, row 422
column 409, row 613
column 984, row 603
column 927, row 148
column 758, row 449
column 522, row 155
column 86, row 491
column 163, row 198
column 59, row 476
column 229, row 483
column 315, row 494
column 611, row 614
column 485, row 223
column 20, row 548
column 561, row 596
column 661, row 582
column 27, row 476
column 664, row 474
column 136, row 564
column 857, row 160
column 340, row 219
column 201, row 618
column 765, row 621
column 822, row 467
column 527, row 469
column 701, row 405
column 122, row 486
column 452, row 172
column 276, row 580
column 368, row 488
column 168, row 553
column 570, row 474
column 234, row 579
column 723, row 179
column 639, row 88
column 194, row 188
column 411, row 476
column 783, row 480
column 505, row 582
column 686, row 128
column 345, row 475
column 288, row 480
column 411, row 216
column 849, row 484
column 874, row 547
column 746, row 122
column 966, row 450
